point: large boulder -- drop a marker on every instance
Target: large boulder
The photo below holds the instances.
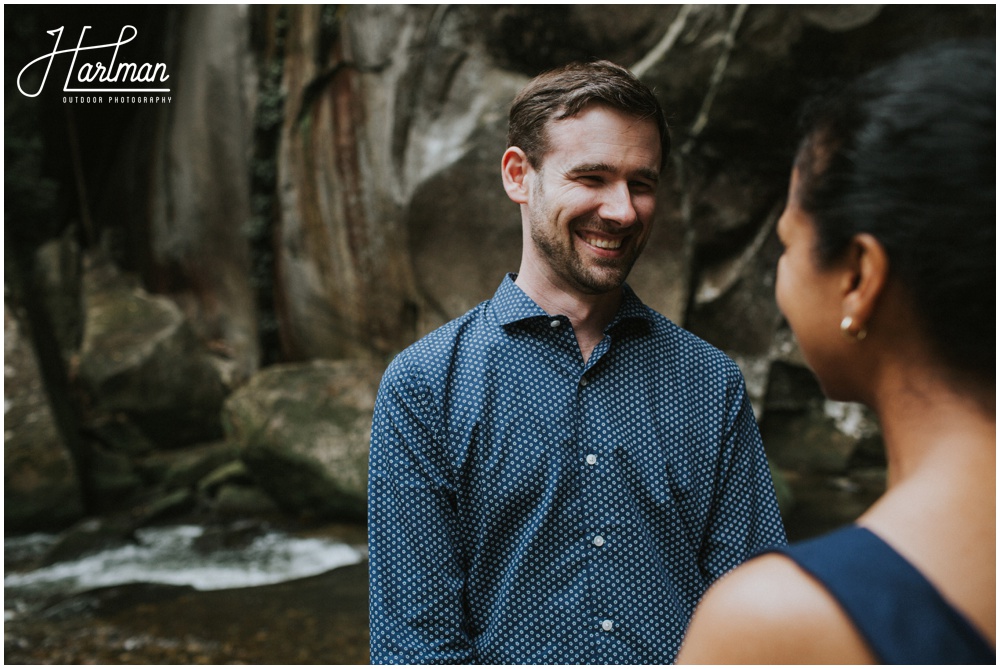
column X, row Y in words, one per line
column 806, row 433
column 140, row 358
column 41, row 487
column 303, row 431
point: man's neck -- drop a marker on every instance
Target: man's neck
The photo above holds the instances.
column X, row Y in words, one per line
column 589, row 314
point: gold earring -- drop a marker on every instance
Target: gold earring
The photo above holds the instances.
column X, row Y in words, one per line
column 845, row 329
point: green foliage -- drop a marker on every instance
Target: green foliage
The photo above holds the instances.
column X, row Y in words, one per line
column 271, row 101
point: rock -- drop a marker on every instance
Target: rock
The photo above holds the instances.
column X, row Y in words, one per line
column 345, row 279
column 118, row 434
column 462, row 214
column 111, row 478
column 303, row 430
column 662, row 275
column 859, row 422
column 231, row 472
column 139, row 358
column 184, row 468
column 169, row 505
column 241, row 501
column 237, row 535
column 41, row 487
column 854, row 420
column 824, row 502
column 532, row 38
column 734, row 306
column 791, row 387
column 839, row 18
column 91, row 536
column 756, row 370
column 201, row 463
column 869, row 454
column 807, row 441
column 805, row 432
column 200, row 198
column 802, row 430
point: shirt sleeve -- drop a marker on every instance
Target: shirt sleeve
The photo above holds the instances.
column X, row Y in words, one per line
column 416, row 576
column 744, row 517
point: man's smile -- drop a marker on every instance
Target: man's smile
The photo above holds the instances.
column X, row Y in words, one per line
column 602, row 243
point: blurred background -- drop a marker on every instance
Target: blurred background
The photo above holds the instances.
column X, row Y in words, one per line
column 201, row 293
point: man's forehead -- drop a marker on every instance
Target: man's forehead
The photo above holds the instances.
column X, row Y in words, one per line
column 600, row 137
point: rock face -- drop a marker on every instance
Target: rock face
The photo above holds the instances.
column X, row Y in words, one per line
column 200, row 196
column 41, row 488
column 325, row 187
column 345, row 282
column 140, row 358
column 303, row 431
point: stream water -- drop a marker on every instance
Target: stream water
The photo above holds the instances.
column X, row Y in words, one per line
column 171, row 556
column 177, row 595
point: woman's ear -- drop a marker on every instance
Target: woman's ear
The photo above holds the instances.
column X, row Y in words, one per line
column 868, row 273
column 514, row 167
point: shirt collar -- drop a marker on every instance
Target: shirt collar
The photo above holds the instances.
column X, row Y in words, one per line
column 512, row 305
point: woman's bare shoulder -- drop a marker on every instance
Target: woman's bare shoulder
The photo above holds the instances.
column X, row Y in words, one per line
column 769, row 611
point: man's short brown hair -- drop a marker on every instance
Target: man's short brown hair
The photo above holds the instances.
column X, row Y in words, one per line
column 565, row 91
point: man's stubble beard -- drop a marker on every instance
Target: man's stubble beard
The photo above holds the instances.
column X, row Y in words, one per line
column 602, row 276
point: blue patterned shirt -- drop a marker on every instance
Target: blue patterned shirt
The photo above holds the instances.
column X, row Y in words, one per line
column 527, row 507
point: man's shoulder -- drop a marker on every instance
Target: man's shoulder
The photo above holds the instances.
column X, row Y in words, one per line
column 436, row 349
column 686, row 345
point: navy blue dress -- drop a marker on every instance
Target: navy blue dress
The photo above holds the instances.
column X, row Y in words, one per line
column 900, row 614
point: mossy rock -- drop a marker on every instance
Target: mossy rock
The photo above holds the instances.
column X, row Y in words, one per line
column 303, row 431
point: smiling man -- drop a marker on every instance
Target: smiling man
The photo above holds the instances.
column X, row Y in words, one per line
column 558, row 475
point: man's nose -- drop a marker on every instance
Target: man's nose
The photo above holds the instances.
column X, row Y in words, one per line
column 616, row 206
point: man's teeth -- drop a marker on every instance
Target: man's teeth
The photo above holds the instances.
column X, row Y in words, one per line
column 604, row 243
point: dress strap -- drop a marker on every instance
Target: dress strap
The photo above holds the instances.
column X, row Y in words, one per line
column 904, row 619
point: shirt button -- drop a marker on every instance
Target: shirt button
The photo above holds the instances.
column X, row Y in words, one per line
column 598, row 541
column 591, row 459
column 555, row 323
column 607, row 625
column 583, row 381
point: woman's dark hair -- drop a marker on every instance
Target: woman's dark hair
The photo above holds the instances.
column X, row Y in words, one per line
column 565, row 91
column 908, row 154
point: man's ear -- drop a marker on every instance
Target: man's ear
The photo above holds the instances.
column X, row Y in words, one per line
column 514, row 167
column 868, row 272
